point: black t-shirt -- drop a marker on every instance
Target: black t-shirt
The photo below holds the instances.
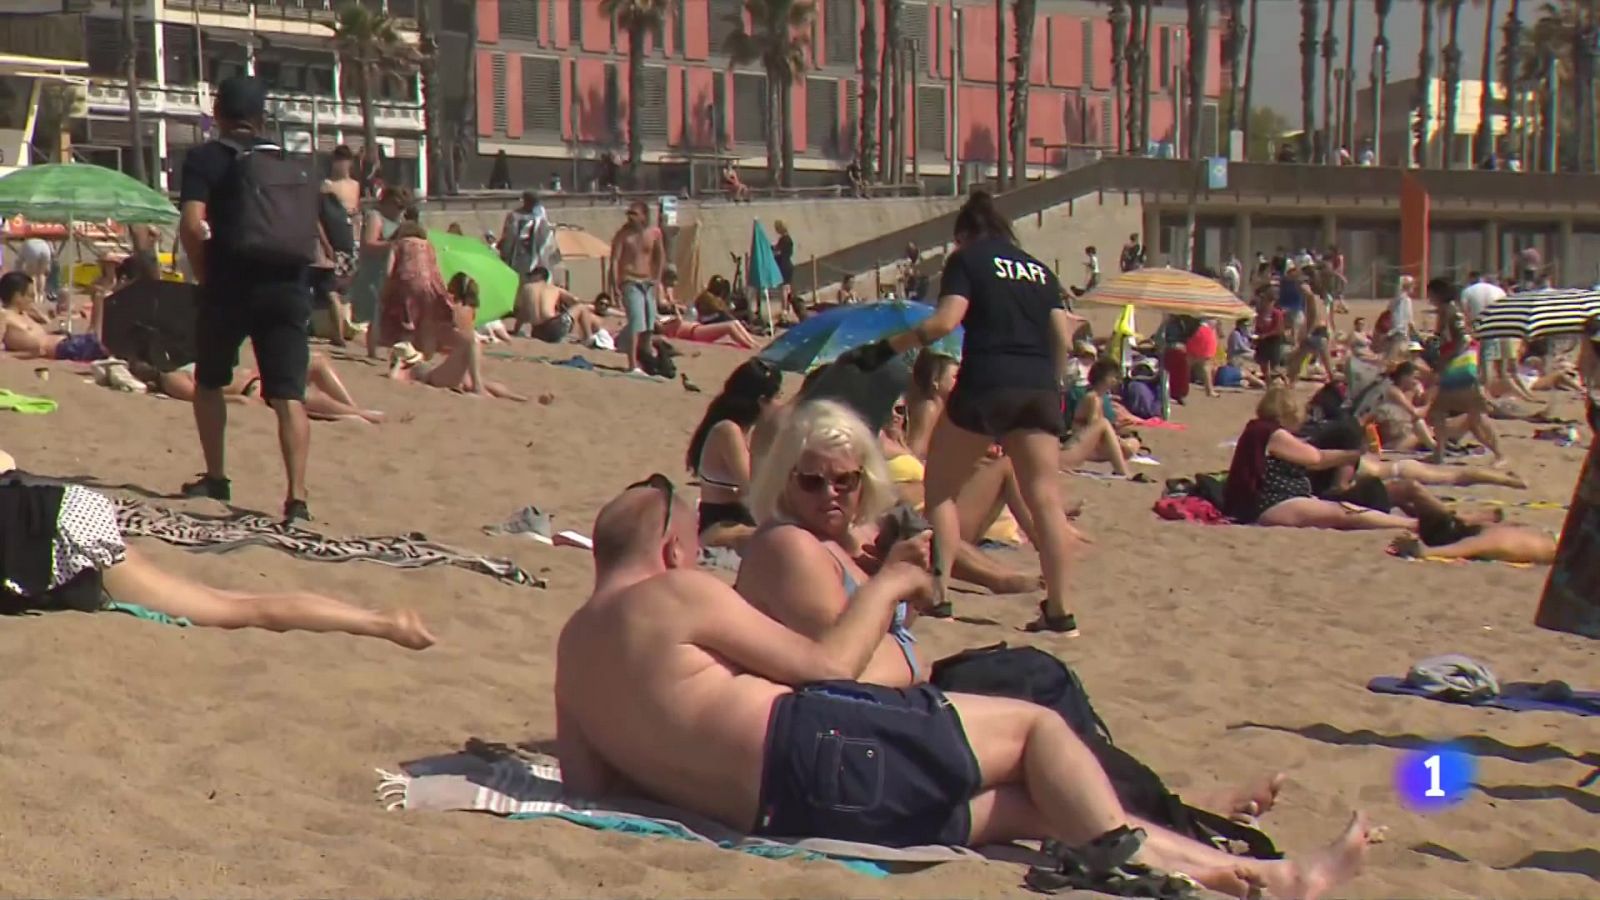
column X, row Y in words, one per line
column 1010, row 297
column 205, row 180
column 783, row 253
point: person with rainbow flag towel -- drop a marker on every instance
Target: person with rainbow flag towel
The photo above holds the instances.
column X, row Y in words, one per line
column 1460, row 388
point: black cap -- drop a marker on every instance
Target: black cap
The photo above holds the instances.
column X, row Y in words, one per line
column 241, row 98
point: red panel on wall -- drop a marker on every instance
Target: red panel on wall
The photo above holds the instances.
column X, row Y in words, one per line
column 1161, row 120
column 675, row 106
column 513, row 96
column 1213, row 86
column 591, row 85
column 485, row 94
column 980, row 123
column 977, row 44
column 696, row 29
column 700, row 99
column 488, row 21
column 563, row 26
column 1039, row 63
column 1102, row 52
column 597, row 29
column 797, row 114
column 1066, row 58
column 1046, row 122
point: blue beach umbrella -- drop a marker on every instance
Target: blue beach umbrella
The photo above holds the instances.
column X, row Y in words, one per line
column 763, row 274
column 821, row 338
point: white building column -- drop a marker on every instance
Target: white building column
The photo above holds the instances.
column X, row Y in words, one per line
column 421, row 186
column 159, row 43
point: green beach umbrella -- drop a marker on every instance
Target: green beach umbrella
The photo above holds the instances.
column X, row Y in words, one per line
column 497, row 282
column 64, row 193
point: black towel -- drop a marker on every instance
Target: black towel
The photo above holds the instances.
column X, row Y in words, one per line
column 28, row 514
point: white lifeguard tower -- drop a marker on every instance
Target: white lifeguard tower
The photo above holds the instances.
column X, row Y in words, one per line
column 22, row 81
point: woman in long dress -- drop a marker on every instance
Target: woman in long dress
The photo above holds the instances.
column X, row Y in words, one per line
column 1571, row 600
column 373, row 265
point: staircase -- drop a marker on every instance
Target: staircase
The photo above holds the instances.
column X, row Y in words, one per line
column 889, row 249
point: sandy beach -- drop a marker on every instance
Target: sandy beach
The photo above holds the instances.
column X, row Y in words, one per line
column 147, row 760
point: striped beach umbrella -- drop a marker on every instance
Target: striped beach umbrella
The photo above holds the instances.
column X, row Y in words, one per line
column 1531, row 315
column 1170, row 291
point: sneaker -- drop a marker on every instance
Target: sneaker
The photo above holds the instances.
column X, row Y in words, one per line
column 210, row 488
column 295, row 510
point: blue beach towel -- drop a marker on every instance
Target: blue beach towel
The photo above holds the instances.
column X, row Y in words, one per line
column 1517, row 696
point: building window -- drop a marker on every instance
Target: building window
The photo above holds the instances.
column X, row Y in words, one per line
column 750, row 108
column 541, row 94
column 914, row 28
column 182, row 62
column 1107, row 118
column 1088, row 52
column 726, row 19
column 840, row 37
column 575, row 22
column 652, row 102
column 1164, row 57
column 822, row 115
column 719, row 110
column 520, row 19
column 613, row 100
column 931, row 136
column 498, row 73
column 678, row 14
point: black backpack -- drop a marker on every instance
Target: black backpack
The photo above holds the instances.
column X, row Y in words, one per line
column 275, row 205
column 1028, row 673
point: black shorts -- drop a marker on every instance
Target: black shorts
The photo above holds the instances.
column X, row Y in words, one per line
column 1269, row 351
column 275, row 316
column 324, row 284
column 860, row 762
column 996, row 412
column 714, row 514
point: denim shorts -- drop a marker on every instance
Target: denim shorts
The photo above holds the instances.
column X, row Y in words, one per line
column 639, row 302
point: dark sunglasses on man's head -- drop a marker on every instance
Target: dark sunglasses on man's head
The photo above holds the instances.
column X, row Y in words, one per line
column 662, row 483
column 815, row 483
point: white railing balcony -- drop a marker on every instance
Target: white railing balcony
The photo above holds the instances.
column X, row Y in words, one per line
column 110, row 95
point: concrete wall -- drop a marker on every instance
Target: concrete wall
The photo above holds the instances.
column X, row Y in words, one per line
column 817, row 226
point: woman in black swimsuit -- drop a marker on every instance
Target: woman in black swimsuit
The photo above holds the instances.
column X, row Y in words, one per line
column 1014, row 356
column 719, row 451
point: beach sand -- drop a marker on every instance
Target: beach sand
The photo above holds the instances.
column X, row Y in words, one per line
column 147, row 760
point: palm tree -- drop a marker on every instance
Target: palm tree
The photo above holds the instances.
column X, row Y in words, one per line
column 638, row 18
column 866, row 156
column 1000, row 91
column 1483, row 138
column 1146, row 41
column 1379, row 76
column 1023, row 13
column 441, row 180
column 1118, row 17
column 1452, row 81
column 1135, row 54
column 1199, row 27
column 1545, row 61
column 1250, row 73
column 1508, row 77
column 1330, row 50
column 1347, row 122
column 130, row 71
column 891, row 155
column 1424, row 96
column 1308, row 78
column 370, row 47
column 1233, row 45
column 779, row 37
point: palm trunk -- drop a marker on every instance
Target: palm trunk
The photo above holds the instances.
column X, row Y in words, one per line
column 466, row 124
column 1134, row 53
column 1347, row 122
column 368, row 73
column 1583, row 95
column 1144, row 79
column 130, row 71
column 869, row 91
column 1452, row 84
column 889, row 109
column 1250, row 74
column 1199, row 51
column 1509, row 76
column 1379, row 75
column 1023, row 12
column 1235, row 39
column 1308, row 78
column 635, row 91
column 786, row 129
column 774, row 105
column 441, row 180
column 1424, row 96
column 1483, row 139
column 1330, row 49
column 1000, row 92
column 1118, row 17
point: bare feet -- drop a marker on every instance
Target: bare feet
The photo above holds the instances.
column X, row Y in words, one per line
column 1310, row 876
column 1251, row 799
column 406, row 629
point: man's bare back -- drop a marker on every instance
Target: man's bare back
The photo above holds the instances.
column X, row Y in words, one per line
column 538, row 302
column 348, row 190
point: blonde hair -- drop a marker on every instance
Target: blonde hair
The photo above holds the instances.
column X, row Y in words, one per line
column 1279, row 405
column 1407, row 283
column 822, row 426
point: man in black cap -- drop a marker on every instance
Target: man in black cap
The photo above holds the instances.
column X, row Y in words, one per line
column 242, row 296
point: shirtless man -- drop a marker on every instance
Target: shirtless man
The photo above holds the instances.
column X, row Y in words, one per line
column 550, row 312
column 638, row 260
column 22, row 326
column 343, row 186
column 670, row 684
column 1316, row 336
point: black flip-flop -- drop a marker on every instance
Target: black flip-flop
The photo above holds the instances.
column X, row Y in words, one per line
column 1066, row 624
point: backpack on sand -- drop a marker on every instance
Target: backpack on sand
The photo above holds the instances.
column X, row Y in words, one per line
column 277, row 201
column 1028, row 673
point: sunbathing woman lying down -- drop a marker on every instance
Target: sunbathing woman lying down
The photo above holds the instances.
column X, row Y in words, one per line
column 93, row 569
column 707, row 332
column 1450, row 537
column 326, row 396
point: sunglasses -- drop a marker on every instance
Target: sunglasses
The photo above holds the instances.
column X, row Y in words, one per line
column 815, row 483
column 659, row 482
column 900, row 411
